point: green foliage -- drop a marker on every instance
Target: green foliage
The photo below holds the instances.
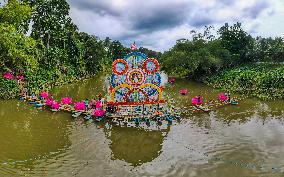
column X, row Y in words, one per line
column 264, row 81
column 57, row 53
column 16, row 13
column 94, row 52
column 150, row 53
column 268, row 50
column 226, row 61
column 43, row 79
column 17, row 50
column 51, row 23
column 237, row 41
column 8, row 89
column 194, row 58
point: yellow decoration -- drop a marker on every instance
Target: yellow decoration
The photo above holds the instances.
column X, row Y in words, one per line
column 118, row 87
column 155, row 87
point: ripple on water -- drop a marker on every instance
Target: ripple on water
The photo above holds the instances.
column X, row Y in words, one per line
column 244, row 140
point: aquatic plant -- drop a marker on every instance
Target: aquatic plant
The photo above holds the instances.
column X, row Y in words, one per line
column 183, row 91
column 265, row 81
column 20, row 77
column 98, row 113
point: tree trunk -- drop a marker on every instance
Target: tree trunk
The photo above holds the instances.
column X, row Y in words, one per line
column 48, row 39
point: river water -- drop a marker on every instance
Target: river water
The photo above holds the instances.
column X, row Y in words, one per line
column 232, row 141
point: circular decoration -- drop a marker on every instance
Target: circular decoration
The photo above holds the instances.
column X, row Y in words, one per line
column 151, row 66
column 135, row 77
column 119, row 67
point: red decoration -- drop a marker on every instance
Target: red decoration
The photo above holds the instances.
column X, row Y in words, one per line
column 114, row 67
column 137, row 103
column 156, row 65
column 138, row 74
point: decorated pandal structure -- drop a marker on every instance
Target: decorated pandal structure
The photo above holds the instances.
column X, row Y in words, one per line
column 135, row 94
column 136, row 89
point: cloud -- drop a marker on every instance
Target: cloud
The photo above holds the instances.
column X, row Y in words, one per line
column 257, row 8
column 157, row 24
column 159, row 18
column 98, row 7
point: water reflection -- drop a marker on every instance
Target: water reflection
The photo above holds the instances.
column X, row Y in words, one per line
column 82, row 90
column 135, row 145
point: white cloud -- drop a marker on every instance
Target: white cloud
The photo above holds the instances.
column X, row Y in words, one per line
column 157, row 24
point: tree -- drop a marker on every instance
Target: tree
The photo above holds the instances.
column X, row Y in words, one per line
column 17, row 14
column 117, row 50
column 94, row 52
column 237, row 41
column 51, row 22
column 150, row 53
column 17, row 50
column 268, row 49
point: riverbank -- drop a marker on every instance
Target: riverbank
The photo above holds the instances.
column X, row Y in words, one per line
column 41, row 80
column 264, row 81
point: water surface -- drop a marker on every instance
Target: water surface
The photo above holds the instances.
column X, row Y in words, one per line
column 245, row 140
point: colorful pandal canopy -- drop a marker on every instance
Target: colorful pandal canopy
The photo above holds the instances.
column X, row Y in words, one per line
column 135, row 80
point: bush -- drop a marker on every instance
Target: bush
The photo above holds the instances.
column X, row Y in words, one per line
column 8, row 88
column 262, row 81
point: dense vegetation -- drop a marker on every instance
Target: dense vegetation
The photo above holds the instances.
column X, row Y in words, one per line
column 206, row 54
column 265, row 81
column 232, row 61
column 52, row 51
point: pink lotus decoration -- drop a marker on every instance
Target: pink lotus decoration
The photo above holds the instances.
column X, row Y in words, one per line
column 44, row 94
column 222, row 97
column 8, row 75
column 49, row 102
column 80, row 106
column 55, row 105
column 195, row 100
column 20, row 78
column 98, row 104
column 66, row 100
column 171, row 80
column 183, row 91
column 98, row 113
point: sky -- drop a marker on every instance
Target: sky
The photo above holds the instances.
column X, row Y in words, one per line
column 157, row 24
